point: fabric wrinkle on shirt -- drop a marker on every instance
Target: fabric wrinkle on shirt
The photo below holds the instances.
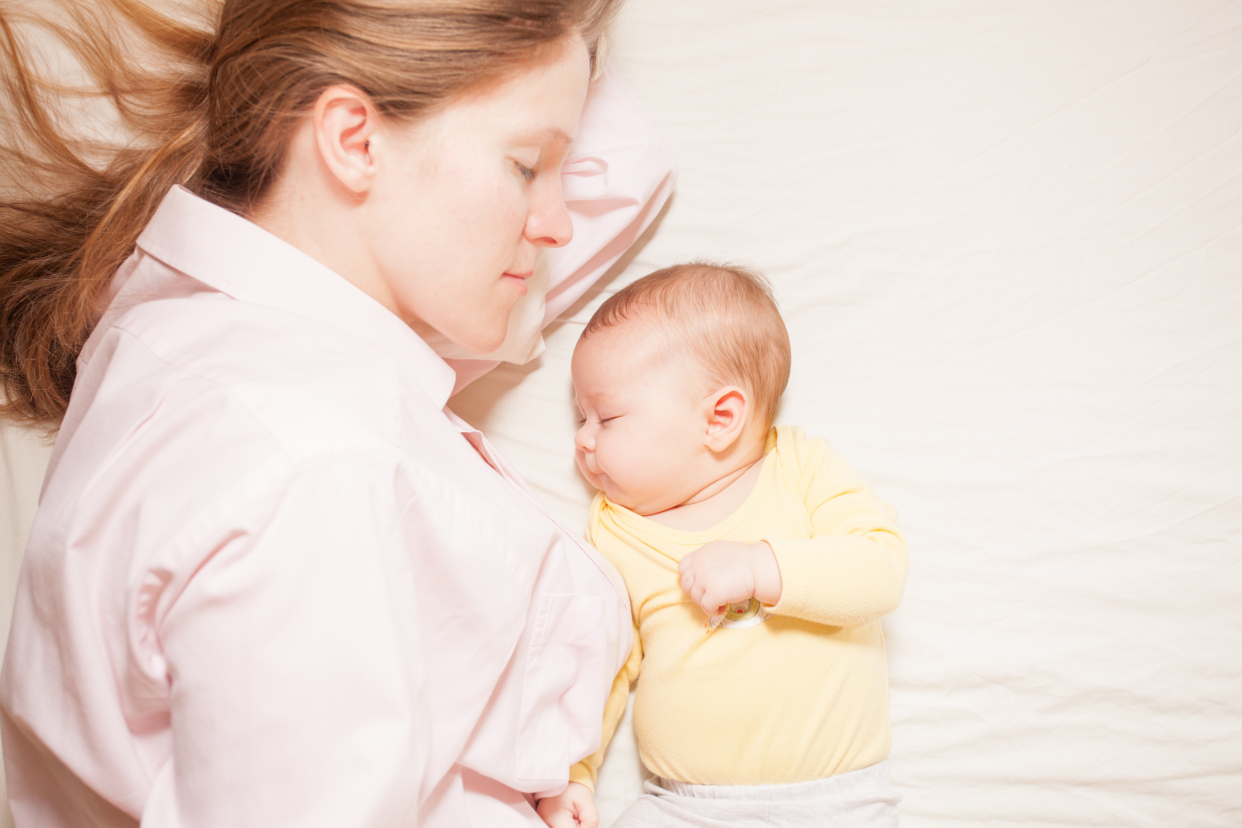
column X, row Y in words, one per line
column 475, row 439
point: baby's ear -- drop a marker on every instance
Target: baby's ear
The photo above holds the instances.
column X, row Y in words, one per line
column 726, row 419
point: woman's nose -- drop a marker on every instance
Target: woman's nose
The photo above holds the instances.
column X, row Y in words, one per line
column 548, row 224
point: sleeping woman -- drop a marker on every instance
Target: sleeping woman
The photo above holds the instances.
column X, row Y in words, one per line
column 272, row 579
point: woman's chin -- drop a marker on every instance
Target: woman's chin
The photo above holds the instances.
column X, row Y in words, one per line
column 483, row 343
column 476, row 341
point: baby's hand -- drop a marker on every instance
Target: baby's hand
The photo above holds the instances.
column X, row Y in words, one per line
column 572, row 808
column 724, row 572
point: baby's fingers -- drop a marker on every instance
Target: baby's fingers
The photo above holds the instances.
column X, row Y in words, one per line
column 709, row 602
column 588, row 817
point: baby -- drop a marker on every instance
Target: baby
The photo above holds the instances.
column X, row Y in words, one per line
column 758, row 564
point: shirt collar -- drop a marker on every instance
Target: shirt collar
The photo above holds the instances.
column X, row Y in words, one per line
column 241, row 259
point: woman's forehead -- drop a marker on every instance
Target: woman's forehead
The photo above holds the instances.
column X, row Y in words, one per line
column 537, row 104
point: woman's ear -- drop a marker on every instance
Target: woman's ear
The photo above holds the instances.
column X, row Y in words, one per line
column 726, row 420
column 345, row 122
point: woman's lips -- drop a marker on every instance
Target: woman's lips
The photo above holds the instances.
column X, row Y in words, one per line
column 519, row 281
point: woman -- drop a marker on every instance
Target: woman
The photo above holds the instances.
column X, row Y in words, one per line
column 273, row 581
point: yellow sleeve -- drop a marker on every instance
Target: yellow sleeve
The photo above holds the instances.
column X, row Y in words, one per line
column 586, row 770
column 852, row 569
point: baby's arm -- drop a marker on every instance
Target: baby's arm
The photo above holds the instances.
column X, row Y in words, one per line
column 575, row 806
column 852, row 570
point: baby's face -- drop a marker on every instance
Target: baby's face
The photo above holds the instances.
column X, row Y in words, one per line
column 641, row 434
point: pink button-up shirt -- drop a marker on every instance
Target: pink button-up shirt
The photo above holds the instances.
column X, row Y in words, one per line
column 274, row 581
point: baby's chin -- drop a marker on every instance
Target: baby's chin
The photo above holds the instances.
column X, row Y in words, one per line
column 638, row 505
column 615, row 495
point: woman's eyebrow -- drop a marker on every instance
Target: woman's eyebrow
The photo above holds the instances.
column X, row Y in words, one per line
column 551, row 135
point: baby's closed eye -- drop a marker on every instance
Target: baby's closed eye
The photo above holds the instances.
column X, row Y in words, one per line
column 601, row 420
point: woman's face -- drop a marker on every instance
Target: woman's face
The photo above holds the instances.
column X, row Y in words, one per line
column 470, row 194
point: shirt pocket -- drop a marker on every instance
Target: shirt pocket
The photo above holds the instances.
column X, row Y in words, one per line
column 565, row 686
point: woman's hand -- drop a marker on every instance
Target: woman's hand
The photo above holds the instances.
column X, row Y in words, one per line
column 724, row 572
column 572, row 808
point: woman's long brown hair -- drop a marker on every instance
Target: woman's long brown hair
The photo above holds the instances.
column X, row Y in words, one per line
column 206, row 98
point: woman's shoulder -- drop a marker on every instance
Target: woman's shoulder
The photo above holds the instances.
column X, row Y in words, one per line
column 295, row 383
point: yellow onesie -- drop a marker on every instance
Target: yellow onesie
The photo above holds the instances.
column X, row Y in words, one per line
column 801, row 695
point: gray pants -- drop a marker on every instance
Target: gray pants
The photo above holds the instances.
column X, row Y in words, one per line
column 859, row 799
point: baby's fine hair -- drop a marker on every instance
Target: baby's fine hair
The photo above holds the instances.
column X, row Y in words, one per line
column 724, row 315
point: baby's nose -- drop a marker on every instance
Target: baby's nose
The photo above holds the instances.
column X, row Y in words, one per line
column 585, row 439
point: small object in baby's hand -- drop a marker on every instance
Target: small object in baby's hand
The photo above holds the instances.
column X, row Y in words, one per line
column 739, row 614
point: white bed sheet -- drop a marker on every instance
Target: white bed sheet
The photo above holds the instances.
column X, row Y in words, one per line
column 1007, row 238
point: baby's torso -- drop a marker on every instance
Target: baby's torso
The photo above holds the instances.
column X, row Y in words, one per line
column 781, row 700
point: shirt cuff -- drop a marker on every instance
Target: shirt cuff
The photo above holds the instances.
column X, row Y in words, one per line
column 583, row 774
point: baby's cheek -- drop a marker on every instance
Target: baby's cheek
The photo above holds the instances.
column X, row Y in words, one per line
column 580, row 458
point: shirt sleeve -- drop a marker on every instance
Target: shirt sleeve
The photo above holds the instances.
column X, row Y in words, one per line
column 295, row 665
column 852, row 569
column 586, row 771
